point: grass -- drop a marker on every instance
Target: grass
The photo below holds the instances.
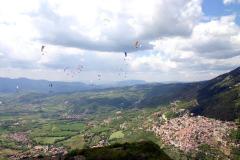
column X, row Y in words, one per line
column 7, row 143
column 99, row 129
column 53, row 132
column 5, row 152
column 54, row 129
column 47, row 140
column 116, row 135
column 71, row 126
column 75, row 142
column 8, row 151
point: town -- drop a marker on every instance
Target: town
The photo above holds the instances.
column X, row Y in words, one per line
column 189, row 132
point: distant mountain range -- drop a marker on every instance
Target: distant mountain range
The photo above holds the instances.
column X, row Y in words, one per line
column 125, row 83
column 218, row 98
column 8, row 85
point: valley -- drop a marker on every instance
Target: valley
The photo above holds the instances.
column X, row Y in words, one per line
column 171, row 116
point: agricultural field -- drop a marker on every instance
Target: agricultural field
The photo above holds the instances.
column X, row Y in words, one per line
column 75, row 142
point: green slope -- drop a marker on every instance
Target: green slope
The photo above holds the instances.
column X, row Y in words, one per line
column 220, row 97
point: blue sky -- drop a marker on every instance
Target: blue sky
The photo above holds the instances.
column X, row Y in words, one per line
column 179, row 40
column 216, row 8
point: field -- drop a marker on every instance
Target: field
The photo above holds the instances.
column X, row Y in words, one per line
column 75, row 142
column 116, row 135
column 47, row 140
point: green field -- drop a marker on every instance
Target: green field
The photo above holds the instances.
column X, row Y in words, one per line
column 116, row 135
column 75, row 142
column 47, row 140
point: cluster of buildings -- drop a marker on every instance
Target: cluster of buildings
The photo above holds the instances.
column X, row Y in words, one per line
column 101, row 143
column 36, row 151
column 188, row 133
column 19, row 137
column 49, row 150
column 107, row 121
column 72, row 117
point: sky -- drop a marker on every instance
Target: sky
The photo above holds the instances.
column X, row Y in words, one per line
column 178, row 40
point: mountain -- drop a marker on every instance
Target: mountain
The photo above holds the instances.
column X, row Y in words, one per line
column 130, row 83
column 8, row 85
column 220, row 97
column 124, row 83
column 217, row 98
column 160, row 94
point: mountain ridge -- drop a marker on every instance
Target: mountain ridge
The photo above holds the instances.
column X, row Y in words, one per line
column 220, row 97
column 11, row 85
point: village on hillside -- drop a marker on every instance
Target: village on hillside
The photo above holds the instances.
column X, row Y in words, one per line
column 188, row 132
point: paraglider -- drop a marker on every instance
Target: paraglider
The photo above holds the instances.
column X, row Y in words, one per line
column 50, row 86
column 80, row 68
column 99, row 76
column 73, row 71
column 42, row 49
column 17, row 88
column 65, row 69
column 137, row 44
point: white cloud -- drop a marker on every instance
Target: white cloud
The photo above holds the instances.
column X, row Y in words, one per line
column 153, row 63
column 216, row 39
column 214, row 46
column 231, row 1
column 114, row 26
column 175, row 42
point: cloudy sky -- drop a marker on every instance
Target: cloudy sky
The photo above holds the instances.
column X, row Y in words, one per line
column 179, row 40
